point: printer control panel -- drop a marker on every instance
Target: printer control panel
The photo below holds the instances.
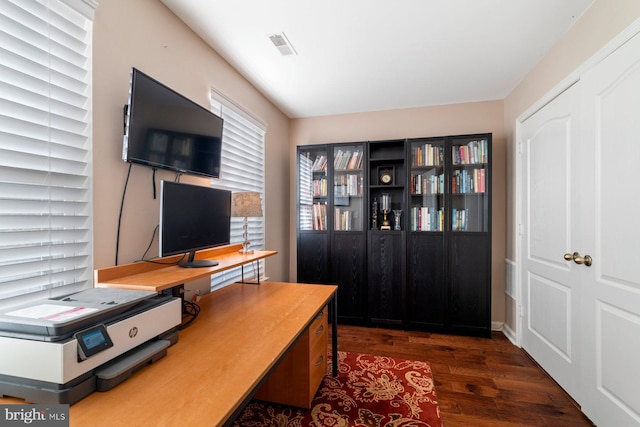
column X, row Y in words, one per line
column 92, row 341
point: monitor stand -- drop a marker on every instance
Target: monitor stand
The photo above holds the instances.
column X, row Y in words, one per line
column 197, row 263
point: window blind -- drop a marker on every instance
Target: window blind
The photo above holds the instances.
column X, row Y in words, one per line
column 242, row 169
column 45, row 147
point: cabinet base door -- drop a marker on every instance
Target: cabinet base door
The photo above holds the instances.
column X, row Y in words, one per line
column 349, row 272
column 386, row 277
column 426, row 282
column 469, row 295
column 313, row 257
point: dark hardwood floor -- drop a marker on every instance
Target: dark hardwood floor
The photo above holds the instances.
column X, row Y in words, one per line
column 479, row 381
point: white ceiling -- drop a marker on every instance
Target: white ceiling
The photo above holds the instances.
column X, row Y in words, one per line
column 369, row 55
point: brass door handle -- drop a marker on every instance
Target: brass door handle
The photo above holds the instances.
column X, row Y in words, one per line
column 575, row 257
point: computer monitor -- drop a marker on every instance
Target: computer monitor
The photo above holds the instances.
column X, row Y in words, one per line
column 192, row 218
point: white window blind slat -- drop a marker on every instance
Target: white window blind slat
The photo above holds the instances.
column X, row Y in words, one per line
column 306, row 200
column 18, row 255
column 37, row 162
column 48, row 282
column 242, row 169
column 51, row 222
column 45, row 147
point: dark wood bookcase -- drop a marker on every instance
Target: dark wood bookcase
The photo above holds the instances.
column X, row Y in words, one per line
column 403, row 227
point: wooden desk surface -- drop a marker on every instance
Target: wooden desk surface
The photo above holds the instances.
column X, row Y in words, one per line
column 164, row 274
column 218, row 361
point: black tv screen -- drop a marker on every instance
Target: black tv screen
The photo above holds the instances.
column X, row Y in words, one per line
column 163, row 129
column 193, row 217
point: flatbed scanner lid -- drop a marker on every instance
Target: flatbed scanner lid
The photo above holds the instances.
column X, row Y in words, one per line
column 63, row 316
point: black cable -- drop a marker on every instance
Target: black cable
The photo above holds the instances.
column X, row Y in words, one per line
column 153, row 183
column 153, row 236
column 165, row 263
column 190, row 310
column 124, row 192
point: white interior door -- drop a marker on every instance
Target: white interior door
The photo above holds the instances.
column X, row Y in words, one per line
column 610, row 212
column 551, row 291
column 580, row 194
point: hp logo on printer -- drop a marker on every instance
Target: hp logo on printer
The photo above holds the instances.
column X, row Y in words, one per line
column 133, row 332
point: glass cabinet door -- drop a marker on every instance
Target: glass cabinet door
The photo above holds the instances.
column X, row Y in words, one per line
column 348, row 187
column 469, row 184
column 313, row 190
column 427, row 185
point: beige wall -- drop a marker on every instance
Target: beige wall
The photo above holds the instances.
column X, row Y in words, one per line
column 601, row 22
column 146, row 35
column 417, row 122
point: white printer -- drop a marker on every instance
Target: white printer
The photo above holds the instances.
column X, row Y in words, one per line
column 60, row 350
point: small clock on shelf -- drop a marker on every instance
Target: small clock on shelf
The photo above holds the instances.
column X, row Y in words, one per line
column 386, row 175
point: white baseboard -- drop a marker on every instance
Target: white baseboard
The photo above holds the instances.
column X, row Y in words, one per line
column 510, row 334
column 496, row 326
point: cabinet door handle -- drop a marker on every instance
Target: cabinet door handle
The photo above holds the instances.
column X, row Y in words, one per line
column 320, row 360
column 320, row 330
column 319, row 315
column 575, row 257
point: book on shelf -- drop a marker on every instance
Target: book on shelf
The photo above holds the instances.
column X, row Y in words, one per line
column 424, row 218
column 471, row 153
column 319, row 164
column 465, row 181
column 319, row 216
column 347, row 159
column 319, row 187
column 459, row 219
column 427, row 183
column 427, row 155
column 348, row 185
column 354, row 160
column 344, row 219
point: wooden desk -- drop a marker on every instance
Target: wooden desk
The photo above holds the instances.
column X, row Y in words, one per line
column 218, row 362
column 163, row 273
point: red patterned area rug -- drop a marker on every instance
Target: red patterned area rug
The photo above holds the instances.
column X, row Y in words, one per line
column 370, row 391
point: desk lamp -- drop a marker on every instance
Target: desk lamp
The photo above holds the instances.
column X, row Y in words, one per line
column 246, row 205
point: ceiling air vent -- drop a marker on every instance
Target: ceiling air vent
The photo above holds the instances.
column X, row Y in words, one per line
column 282, row 43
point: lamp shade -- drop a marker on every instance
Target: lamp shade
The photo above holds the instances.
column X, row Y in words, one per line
column 246, row 204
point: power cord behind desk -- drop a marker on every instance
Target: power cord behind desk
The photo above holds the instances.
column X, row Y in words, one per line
column 190, row 311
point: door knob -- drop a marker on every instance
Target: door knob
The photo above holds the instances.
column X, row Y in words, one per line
column 575, row 257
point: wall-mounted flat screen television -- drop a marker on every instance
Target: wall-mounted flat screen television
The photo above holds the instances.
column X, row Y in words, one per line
column 165, row 130
column 192, row 218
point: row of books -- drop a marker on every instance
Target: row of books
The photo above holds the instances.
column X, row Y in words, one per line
column 459, row 219
column 464, row 181
column 425, row 218
column 347, row 159
column 348, row 185
column 427, row 155
column 319, row 164
column 346, row 220
column 319, row 216
column 319, row 187
column 427, row 183
column 474, row 152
